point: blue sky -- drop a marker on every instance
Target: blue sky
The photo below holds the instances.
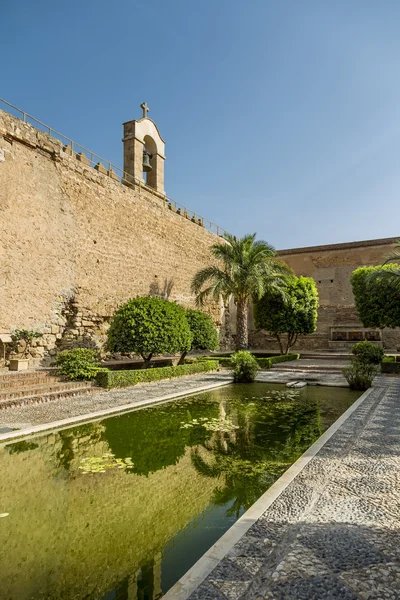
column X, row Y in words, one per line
column 279, row 117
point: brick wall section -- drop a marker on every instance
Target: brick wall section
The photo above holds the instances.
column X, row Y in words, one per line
column 75, row 244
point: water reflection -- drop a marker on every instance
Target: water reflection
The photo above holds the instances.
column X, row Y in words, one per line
column 121, row 508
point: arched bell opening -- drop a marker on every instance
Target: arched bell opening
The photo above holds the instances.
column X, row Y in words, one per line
column 150, row 161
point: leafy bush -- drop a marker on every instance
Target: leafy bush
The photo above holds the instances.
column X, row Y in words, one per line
column 112, row 379
column 368, row 352
column 149, row 326
column 79, row 363
column 289, row 312
column 245, row 366
column 377, row 298
column 360, row 374
column 205, row 336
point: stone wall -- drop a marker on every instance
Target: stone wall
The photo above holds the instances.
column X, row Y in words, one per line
column 331, row 267
column 75, row 243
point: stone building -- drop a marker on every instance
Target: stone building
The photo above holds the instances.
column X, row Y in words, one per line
column 330, row 266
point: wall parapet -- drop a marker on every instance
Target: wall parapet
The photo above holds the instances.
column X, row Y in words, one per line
column 50, row 137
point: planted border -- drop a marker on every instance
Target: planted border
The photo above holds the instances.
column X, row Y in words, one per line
column 124, row 378
column 263, row 363
column 390, row 366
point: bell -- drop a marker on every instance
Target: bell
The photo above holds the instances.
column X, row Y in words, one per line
column 146, row 162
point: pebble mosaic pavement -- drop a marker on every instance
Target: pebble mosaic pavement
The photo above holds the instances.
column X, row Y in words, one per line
column 334, row 532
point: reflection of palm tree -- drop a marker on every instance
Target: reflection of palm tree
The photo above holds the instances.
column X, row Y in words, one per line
column 251, row 461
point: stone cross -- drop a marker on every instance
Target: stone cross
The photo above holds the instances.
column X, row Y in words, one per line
column 145, row 109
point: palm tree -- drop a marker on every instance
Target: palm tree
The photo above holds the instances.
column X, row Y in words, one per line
column 247, row 269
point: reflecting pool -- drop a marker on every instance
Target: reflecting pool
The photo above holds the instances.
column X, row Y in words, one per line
column 120, row 509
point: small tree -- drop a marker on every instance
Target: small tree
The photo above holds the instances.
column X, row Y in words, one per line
column 288, row 315
column 149, row 326
column 377, row 295
column 205, row 336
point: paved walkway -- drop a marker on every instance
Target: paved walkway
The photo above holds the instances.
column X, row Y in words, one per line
column 22, row 417
column 334, row 531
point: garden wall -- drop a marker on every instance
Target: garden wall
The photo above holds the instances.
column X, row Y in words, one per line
column 75, row 243
column 331, row 267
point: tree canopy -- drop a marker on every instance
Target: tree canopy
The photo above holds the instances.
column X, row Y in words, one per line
column 377, row 295
column 290, row 314
column 149, row 326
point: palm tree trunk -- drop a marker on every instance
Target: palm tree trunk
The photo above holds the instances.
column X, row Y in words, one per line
column 242, row 334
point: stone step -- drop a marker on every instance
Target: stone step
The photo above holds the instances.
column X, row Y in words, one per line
column 11, row 382
column 25, row 376
column 49, row 397
column 308, row 369
column 39, row 390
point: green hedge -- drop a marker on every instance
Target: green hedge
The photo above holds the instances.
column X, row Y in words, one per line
column 263, row 363
column 123, row 378
column 266, row 363
column 388, row 366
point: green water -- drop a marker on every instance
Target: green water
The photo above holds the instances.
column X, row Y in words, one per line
column 120, row 509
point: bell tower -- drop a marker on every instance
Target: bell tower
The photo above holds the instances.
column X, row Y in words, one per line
column 144, row 152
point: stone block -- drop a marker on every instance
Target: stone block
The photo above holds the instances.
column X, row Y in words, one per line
column 100, row 168
column 83, row 158
column 113, row 175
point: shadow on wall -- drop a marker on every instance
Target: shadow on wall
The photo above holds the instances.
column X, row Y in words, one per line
column 161, row 291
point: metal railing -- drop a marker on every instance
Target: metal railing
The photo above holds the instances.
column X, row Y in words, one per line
column 108, row 168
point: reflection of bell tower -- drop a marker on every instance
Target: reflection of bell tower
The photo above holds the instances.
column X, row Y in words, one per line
column 144, row 152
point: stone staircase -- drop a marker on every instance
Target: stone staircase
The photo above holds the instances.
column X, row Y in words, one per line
column 36, row 387
column 312, row 366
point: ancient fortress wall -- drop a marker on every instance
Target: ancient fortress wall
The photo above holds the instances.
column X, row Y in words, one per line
column 76, row 243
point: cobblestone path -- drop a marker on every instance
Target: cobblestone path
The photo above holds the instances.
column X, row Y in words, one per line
column 334, row 531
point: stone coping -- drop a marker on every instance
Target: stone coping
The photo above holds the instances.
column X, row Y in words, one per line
column 339, row 246
column 188, row 585
column 99, row 415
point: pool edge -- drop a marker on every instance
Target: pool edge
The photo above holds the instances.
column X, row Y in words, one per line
column 105, row 413
column 193, row 578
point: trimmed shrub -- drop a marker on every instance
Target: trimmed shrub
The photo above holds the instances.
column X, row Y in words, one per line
column 263, row 363
column 267, row 363
column 123, row 378
column 78, row 364
column 245, row 366
column 377, row 299
column 360, row 374
column 149, row 326
column 205, row 336
column 368, row 353
column 390, row 367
